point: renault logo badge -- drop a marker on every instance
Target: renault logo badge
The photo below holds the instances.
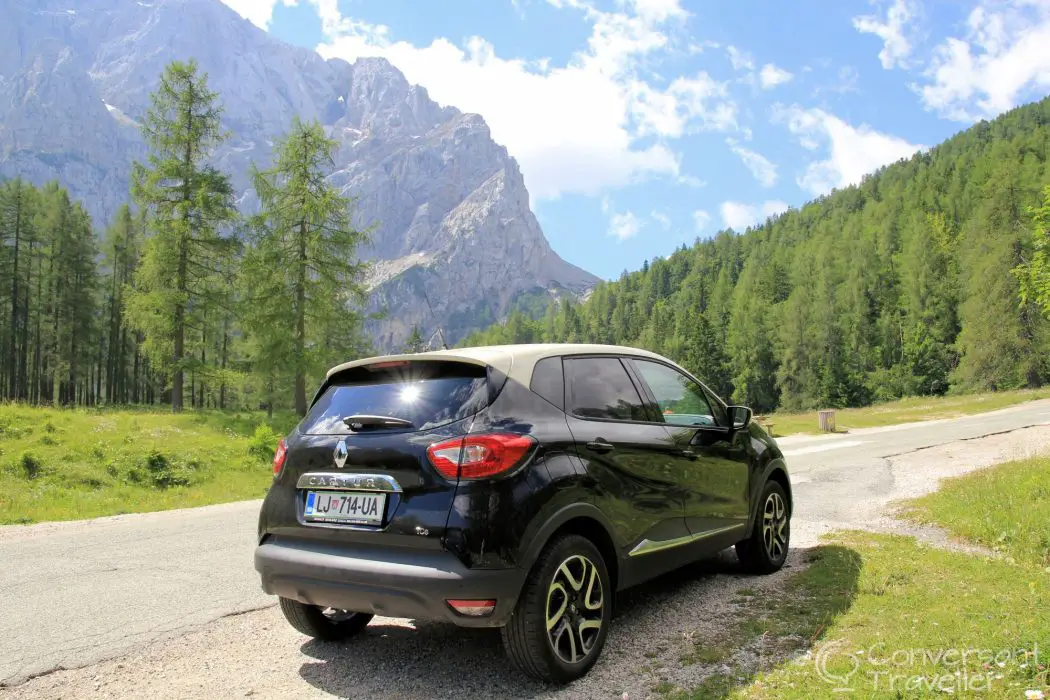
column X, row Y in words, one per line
column 341, row 453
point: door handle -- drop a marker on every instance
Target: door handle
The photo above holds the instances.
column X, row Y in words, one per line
column 600, row 446
column 689, row 454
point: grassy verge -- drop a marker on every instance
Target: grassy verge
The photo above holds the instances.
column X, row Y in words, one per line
column 72, row 464
column 905, row 411
column 1006, row 508
column 887, row 617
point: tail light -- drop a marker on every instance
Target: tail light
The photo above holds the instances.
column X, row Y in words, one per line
column 278, row 457
column 479, row 456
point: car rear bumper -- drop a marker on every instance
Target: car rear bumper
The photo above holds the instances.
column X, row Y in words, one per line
column 385, row 582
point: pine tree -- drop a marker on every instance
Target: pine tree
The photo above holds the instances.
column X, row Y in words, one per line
column 1000, row 337
column 185, row 202
column 302, row 272
column 17, row 208
column 1033, row 272
column 121, row 254
column 415, row 342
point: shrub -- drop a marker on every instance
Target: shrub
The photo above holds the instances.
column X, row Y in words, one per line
column 31, row 466
column 263, row 443
column 163, row 473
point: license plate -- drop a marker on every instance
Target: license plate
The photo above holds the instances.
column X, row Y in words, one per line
column 346, row 508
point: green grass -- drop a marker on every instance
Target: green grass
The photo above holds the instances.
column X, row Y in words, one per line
column 905, row 411
column 1006, row 508
column 887, row 617
column 72, row 464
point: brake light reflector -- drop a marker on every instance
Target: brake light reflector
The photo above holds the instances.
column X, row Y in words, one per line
column 387, row 365
column 473, row 608
column 479, row 456
column 278, row 457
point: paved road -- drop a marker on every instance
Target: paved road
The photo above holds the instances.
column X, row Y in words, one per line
column 846, row 479
column 76, row 593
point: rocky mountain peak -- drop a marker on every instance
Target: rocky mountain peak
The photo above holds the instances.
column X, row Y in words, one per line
column 379, row 98
column 454, row 242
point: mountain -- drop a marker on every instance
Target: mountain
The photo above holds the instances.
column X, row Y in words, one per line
column 454, row 241
column 901, row 285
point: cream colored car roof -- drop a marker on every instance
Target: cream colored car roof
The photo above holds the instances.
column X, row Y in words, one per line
column 516, row 361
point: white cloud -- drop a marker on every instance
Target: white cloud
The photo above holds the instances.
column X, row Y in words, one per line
column 739, row 216
column 576, row 128
column 847, row 79
column 896, row 46
column 687, row 105
column 258, row 12
column 771, row 75
column 663, row 219
column 659, row 10
column 760, row 166
column 741, row 60
column 1002, row 58
column 852, row 151
column 700, row 220
column 691, row 181
column 624, row 226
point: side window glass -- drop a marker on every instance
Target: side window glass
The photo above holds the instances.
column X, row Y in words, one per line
column 548, row 382
column 681, row 400
column 599, row 387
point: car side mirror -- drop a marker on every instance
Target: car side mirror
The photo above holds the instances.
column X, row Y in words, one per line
column 740, row 416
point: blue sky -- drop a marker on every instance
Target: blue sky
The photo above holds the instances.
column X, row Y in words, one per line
column 643, row 124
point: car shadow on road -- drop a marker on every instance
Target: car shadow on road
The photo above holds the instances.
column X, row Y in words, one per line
column 422, row 659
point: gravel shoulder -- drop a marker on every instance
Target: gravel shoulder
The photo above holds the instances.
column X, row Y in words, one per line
column 257, row 654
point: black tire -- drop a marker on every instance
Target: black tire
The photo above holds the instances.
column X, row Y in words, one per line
column 526, row 638
column 313, row 622
column 765, row 551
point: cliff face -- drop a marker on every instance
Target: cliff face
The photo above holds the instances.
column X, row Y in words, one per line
column 453, row 239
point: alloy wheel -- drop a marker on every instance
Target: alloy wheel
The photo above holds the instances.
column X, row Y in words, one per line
column 335, row 615
column 774, row 526
column 575, row 607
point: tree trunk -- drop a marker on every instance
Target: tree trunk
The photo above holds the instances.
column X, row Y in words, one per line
column 114, row 333
column 182, row 271
column 225, row 350
column 269, row 398
column 23, row 354
column 37, row 350
column 73, row 345
column 300, row 326
column 135, row 395
column 12, row 388
column 204, row 344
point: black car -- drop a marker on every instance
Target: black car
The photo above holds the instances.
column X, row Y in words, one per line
column 516, row 486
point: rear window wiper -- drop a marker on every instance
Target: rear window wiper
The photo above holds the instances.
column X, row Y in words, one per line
column 364, row 422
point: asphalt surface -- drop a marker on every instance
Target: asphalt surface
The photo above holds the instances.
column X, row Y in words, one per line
column 77, row 593
column 841, row 480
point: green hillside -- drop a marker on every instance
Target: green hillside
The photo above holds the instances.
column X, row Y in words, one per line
column 900, row 286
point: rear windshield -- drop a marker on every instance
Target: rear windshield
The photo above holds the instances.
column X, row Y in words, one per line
column 428, row 394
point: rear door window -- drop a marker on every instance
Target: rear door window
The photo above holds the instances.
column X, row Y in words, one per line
column 600, row 388
column 427, row 394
